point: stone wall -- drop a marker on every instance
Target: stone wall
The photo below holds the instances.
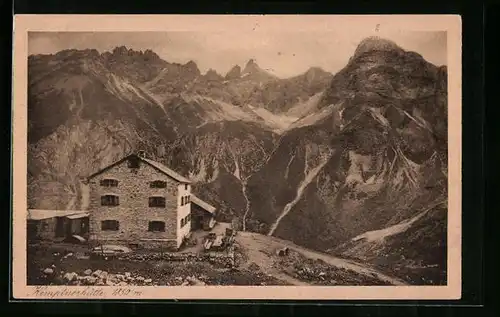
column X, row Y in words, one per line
column 226, row 258
column 169, row 245
column 133, row 211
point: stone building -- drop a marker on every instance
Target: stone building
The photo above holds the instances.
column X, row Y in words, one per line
column 139, row 202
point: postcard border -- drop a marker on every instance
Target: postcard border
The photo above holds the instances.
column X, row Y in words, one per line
column 25, row 23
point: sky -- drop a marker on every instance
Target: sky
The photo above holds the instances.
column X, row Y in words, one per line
column 284, row 53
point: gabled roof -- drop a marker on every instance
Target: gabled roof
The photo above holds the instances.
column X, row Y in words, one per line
column 202, row 204
column 158, row 166
column 167, row 170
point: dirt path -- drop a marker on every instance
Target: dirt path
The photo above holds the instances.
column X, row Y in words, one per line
column 260, row 249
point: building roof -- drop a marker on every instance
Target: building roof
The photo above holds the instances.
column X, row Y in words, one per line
column 79, row 215
column 40, row 214
column 158, row 166
column 211, row 209
column 167, row 171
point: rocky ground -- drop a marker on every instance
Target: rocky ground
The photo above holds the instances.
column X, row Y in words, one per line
column 59, row 266
column 254, row 260
column 317, row 271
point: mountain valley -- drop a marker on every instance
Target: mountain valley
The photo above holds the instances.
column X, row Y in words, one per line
column 353, row 164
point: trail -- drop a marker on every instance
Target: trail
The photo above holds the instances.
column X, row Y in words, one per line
column 259, row 247
column 307, row 180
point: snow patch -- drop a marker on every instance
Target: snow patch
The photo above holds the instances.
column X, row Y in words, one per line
column 276, row 121
column 379, row 235
column 303, row 108
column 377, row 115
column 309, row 177
column 202, row 175
column 359, row 164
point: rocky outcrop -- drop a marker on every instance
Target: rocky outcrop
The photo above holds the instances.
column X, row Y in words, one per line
column 233, row 73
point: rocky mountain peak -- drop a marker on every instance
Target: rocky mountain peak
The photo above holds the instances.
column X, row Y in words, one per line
column 251, row 67
column 315, row 73
column 375, row 43
column 77, row 54
column 122, row 52
column 192, row 67
column 233, row 73
column 211, row 74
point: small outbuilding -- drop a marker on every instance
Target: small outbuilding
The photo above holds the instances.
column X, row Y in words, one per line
column 203, row 214
column 43, row 224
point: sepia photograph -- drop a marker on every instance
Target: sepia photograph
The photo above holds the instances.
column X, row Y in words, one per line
column 237, row 152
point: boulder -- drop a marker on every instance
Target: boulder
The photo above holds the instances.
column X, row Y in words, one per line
column 112, row 278
column 120, row 277
column 69, row 277
column 97, row 273
column 87, row 272
column 253, row 267
column 48, row 271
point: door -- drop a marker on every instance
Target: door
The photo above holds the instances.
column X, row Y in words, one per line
column 198, row 224
column 68, row 226
column 60, row 230
column 85, row 226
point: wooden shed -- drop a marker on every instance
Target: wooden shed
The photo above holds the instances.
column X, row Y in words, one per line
column 43, row 224
column 202, row 213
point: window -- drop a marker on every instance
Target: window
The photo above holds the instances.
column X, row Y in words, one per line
column 157, row 226
column 185, row 220
column 182, row 201
column 110, row 200
column 157, row 202
column 133, row 162
column 110, row 225
column 158, row 184
column 186, row 187
column 109, row 182
column 188, row 198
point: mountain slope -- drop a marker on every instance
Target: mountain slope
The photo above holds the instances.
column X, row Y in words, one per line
column 87, row 110
column 379, row 140
column 219, row 158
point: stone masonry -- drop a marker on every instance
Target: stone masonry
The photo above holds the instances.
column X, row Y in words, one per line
column 133, row 211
